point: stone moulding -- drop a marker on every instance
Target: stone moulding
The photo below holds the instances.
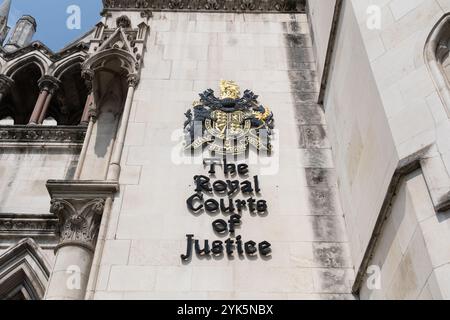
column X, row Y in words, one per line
column 248, row 6
column 43, row 228
column 24, row 270
column 436, row 50
column 42, row 134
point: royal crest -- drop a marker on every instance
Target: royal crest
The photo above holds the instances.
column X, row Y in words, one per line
column 230, row 124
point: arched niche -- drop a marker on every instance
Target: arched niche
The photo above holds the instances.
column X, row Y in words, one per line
column 109, row 73
column 437, row 58
column 24, row 272
column 68, row 104
column 110, row 69
column 21, row 98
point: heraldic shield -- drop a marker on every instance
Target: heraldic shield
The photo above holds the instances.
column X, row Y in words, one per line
column 229, row 125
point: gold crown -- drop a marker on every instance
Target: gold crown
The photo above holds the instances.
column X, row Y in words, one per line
column 229, row 89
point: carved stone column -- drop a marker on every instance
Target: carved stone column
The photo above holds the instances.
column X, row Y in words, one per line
column 38, row 106
column 114, row 165
column 5, row 86
column 79, row 206
column 53, row 85
column 89, row 117
column 47, row 86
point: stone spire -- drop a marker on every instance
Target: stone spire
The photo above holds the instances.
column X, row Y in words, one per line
column 4, row 8
column 4, row 13
column 22, row 34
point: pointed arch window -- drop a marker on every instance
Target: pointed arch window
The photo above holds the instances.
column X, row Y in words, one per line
column 33, row 93
column 24, row 272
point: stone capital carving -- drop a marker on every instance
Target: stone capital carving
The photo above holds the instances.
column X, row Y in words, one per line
column 79, row 207
column 93, row 112
column 49, row 83
column 79, row 220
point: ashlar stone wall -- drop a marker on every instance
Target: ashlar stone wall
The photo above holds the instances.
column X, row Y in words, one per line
column 24, row 172
column 188, row 53
column 383, row 109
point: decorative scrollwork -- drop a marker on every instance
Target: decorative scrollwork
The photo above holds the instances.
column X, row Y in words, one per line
column 209, row 5
column 23, row 223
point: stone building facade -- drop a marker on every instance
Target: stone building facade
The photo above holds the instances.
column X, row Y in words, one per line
column 95, row 177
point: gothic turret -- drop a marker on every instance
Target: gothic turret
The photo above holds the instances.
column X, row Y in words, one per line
column 4, row 13
column 22, row 34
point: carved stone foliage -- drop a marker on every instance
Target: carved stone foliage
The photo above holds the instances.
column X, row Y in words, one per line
column 123, row 22
column 79, row 220
column 79, row 207
column 209, row 5
column 42, row 134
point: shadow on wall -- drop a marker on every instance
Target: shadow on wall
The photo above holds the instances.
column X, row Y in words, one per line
column 111, row 94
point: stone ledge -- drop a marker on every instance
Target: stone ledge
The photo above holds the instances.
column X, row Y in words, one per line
column 246, row 6
column 432, row 166
column 81, row 189
column 20, row 134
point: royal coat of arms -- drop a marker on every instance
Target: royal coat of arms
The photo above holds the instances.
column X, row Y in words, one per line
column 230, row 124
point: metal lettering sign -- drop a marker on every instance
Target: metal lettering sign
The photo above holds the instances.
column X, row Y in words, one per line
column 235, row 211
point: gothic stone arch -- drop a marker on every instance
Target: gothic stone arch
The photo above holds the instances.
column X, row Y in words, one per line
column 437, row 49
column 24, row 272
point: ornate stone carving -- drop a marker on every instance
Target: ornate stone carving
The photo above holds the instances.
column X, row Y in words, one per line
column 79, row 221
column 255, row 6
column 442, row 50
column 79, row 207
column 123, row 22
column 88, row 76
column 49, row 83
column 24, row 223
column 42, row 228
column 133, row 80
column 42, row 134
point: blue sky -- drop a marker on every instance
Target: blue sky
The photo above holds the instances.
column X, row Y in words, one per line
column 51, row 17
